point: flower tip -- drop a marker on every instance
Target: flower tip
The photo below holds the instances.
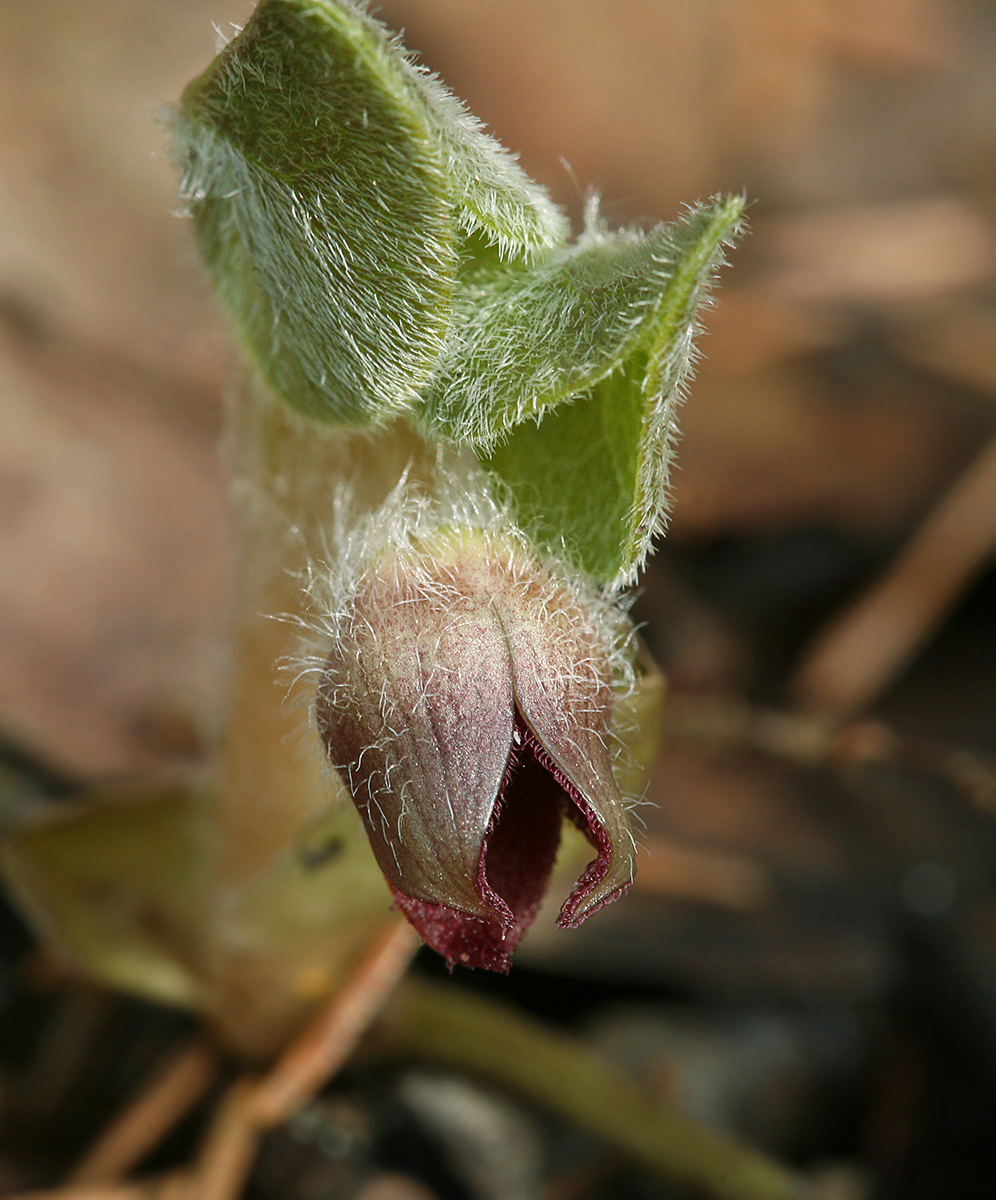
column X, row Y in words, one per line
column 578, row 908
column 604, row 821
column 462, row 939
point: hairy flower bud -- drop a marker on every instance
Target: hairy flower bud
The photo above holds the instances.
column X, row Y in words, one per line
column 467, row 702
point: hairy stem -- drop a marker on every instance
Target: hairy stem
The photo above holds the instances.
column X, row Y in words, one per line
column 282, row 936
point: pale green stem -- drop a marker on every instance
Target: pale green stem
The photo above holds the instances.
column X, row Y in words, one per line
column 456, row 1029
column 277, row 939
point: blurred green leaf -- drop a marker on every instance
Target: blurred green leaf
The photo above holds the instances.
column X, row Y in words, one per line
column 121, row 885
column 113, row 886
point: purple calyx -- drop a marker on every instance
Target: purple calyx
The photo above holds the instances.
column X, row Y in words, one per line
column 517, row 857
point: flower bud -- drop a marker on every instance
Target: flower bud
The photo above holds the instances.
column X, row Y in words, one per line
column 467, row 702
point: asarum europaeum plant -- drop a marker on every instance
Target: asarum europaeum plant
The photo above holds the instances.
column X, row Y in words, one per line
column 388, row 267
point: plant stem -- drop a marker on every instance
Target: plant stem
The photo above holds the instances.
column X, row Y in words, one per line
column 287, row 473
column 451, row 1027
column 278, row 940
column 228, row 1151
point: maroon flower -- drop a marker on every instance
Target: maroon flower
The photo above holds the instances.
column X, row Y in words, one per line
column 467, row 704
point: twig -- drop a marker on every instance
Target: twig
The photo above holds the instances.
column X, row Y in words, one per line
column 452, row 1027
column 861, row 652
column 333, row 1033
column 253, row 1106
column 174, row 1186
column 91, row 1191
column 727, row 723
column 148, row 1118
column 227, row 1155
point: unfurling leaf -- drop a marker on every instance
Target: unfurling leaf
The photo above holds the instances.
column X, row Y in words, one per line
column 589, row 471
column 332, row 187
column 492, row 197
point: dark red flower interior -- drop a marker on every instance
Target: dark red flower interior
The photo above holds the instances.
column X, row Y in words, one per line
column 517, row 857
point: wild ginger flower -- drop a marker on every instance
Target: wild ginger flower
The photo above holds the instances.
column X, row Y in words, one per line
column 467, row 702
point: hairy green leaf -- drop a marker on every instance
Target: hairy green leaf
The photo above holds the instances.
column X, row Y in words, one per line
column 332, row 186
column 589, row 476
column 493, row 196
column 572, row 475
column 321, row 210
column 528, row 338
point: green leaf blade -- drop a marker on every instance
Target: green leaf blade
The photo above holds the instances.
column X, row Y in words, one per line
column 322, row 209
column 491, row 193
column 588, row 473
column 529, row 338
column 571, row 475
column 337, row 192
column 704, row 235
column 525, row 339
